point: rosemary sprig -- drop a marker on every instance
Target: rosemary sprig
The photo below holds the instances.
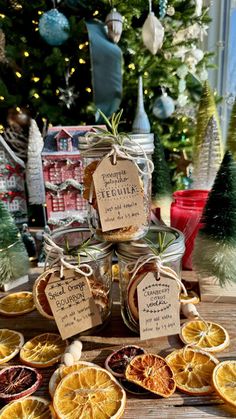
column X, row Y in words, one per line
column 111, row 135
column 81, row 249
column 161, row 243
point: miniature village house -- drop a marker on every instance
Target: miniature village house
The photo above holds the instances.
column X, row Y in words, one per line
column 12, row 185
column 63, row 175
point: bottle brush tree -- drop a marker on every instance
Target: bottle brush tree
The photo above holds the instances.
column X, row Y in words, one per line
column 215, row 245
column 207, row 109
column 14, row 262
column 231, row 137
column 161, row 184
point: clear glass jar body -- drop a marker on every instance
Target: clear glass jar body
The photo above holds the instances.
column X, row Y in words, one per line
column 128, row 282
column 132, row 232
column 99, row 258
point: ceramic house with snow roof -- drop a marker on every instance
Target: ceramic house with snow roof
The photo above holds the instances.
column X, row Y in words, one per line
column 12, row 183
column 63, row 175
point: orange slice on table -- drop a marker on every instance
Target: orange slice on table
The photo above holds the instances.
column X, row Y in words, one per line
column 224, row 381
column 27, row 408
column 211, row 337
column 18, row 381
column 89, row 393
column 40, row 298
column 17, row 303
column 152, row 373
column 43, row 350
column 10, row 344
column 192, row 298
column 62, row 371
column 192, row 370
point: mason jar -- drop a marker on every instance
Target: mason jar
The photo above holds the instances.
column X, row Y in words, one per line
column 92, row 156
column 167, row 243
column 98, row 255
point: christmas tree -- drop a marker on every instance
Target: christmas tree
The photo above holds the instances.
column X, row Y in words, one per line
column 207, row 109
column 231, row 137
column 54, row 82
column 161, row 184
column 14, row 262
column 210, row 157
column 215, row 245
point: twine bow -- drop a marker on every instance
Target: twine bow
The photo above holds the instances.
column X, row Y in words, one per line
column 134, row 267
column 118, row 148
column 52, row 249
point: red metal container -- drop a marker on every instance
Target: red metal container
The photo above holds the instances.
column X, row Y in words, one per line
column 186, row 212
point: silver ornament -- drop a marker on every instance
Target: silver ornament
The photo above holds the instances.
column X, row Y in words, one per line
column 182, row 85
column 114, row 22
column 182, row 71
column 152, row 33
column 170, row 11
column 141, row 124
column 167, row 55
column 68, row 96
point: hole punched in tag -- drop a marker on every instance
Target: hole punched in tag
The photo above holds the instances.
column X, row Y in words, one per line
column 157, row 276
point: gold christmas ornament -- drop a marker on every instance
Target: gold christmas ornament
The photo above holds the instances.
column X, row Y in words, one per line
column 152, row 33
column 114, row 22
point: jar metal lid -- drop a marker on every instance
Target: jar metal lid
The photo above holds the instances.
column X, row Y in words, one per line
column 74, row 237
column 135, row 249
column 145, row 142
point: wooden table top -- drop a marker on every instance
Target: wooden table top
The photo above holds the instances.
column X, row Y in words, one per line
column 116, row 334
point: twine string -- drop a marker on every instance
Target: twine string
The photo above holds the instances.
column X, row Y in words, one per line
column 134, row 267
column 119, row 149
column 122, row 151
column 59, row 257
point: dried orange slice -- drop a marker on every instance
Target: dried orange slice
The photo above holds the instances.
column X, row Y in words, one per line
column 224, row 381
column 17, row 303
column 18, row 381
column 43, row 350
column 30, row 407
column 40, row 298
column 62, row 371
column 192, row 370
column 89, row 393
column 10, row 344
column 152, row 373
column 192, row 298
column 133, row 297
column 211, row 337
column 117, row 361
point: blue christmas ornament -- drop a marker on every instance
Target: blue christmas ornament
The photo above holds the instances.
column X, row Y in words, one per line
column 162, row 8
column 54, row 27
column 163, row 106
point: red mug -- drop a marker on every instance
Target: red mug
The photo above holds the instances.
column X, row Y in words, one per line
column 186, row 214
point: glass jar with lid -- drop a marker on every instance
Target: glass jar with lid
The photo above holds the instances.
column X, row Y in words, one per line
column 166, row 242
column 140, row 147
column 77, row 247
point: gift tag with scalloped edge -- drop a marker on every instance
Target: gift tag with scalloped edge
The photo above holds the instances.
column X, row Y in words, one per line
column 159, row 306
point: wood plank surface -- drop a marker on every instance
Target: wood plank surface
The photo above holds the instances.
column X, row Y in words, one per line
column 96, row 349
